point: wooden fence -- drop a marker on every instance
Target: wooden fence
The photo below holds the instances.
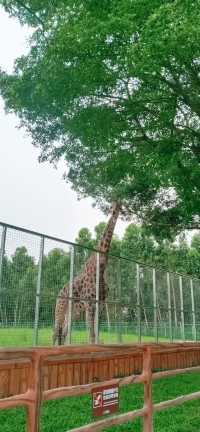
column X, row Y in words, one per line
column 37, row 386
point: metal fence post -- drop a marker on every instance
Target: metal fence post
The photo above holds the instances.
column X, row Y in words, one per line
column 194, row 329
column 38, row 292
column 182, row 307
column 155, row 306
column 70, row 300
column 169, row 308
column 138, row 302
column 2, row 252
column 97, row 299
column 119, row 326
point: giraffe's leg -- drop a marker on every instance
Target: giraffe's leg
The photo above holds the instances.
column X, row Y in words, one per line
column 54, row 337
column 57, row 333
column 87, row 319
column 91, row 322
column 64, row 331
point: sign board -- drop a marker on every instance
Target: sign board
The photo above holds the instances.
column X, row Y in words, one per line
column 105, row 400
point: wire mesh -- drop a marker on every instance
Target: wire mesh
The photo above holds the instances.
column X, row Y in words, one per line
column 196, row 290
column 135, row 302
column 18, row 287
column 162, row 306
column 55, row 275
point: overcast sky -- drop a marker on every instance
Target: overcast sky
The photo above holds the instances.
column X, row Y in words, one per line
column 34, row 195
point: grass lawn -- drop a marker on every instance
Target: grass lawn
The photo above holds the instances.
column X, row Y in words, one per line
column 13, row 337
column 67, row 413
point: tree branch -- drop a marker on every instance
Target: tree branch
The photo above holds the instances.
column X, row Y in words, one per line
column 31, row 12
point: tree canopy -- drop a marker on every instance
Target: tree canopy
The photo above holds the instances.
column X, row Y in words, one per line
column 113, row 88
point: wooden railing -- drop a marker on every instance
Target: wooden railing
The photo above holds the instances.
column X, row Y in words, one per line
column 35, row 394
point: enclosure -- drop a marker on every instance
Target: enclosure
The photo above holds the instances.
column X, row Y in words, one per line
column 143, row 303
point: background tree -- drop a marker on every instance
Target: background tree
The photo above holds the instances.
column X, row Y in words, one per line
column 138, row 245
column 18, row 288
column 84, row 238
column 121, row 102
column 55, row 273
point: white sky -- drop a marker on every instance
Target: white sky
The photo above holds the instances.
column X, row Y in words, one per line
column 34, row 195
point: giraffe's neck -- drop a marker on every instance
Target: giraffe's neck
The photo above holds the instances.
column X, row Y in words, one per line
column 105, row 241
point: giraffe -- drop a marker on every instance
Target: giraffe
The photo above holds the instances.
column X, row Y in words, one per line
column 84, row 285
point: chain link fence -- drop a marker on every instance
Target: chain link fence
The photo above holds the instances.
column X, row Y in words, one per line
column 143, row 303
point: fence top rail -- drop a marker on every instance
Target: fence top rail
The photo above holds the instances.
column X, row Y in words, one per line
column 93, row 351
column 66, row 242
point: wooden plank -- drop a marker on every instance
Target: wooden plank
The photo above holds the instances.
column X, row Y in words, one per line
column 45, row 377
column 16, row 363
column 101, row 372
column 170, row 360
column 61, row 375
column 105, row 370
column 17, row 400
column 159, row 375
column 176, row 361
column 116, row 367
column 111, row 421
column 90, row 371
column 121, row 367
column 133, row 366
column 197, row 357
column 24, row 380
column 127, row 366
column 77, row 374
column 70, row 374
column 4, row 383
column 87, row 388
column 53, row 370
column 14, row 385
column 178, row 401
column 84, row 372
column 111, row 368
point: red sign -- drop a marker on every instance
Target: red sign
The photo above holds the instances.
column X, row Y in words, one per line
column 105, row 400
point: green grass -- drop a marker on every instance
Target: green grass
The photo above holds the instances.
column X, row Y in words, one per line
column 13, row 337
column 62, row 415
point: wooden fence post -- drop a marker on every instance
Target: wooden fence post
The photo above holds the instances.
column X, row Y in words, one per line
column 33, row 410
column 147, row 371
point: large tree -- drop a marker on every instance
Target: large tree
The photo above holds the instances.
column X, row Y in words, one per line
column 113, row 87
